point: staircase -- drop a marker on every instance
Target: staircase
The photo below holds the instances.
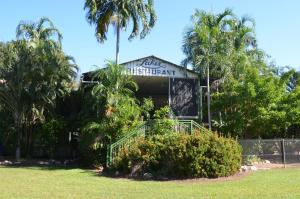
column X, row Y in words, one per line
column 183, row 126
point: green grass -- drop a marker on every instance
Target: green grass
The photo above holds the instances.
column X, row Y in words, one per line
column 76, row 183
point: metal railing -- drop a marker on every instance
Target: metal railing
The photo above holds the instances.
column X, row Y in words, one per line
column 193, row 126
column 182, row 126
column 113, row 149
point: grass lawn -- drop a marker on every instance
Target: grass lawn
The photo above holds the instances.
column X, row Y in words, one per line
column 76, row 183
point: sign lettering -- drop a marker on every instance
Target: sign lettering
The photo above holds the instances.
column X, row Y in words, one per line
column 151, row 67
column 151, row 63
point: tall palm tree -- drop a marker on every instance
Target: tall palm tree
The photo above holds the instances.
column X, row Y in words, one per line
column 102, row 13
column 205, row 42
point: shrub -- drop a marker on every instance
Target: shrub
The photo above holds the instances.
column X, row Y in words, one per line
column 161, row 124
column 181, row 156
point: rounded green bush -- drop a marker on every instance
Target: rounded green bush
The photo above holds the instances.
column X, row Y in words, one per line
column 181, row 156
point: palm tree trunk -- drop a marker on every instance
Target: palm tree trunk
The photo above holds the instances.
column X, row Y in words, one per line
column 208, row 100
column 118, row 42
column 18, row 125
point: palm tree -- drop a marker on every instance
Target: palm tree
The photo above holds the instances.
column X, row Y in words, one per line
column 244, row 33
column 39, row 34
column 244, row 43
column 102, row 13
column 114, row 86
column 35, row 70
column 205, row 42
column 117, row 109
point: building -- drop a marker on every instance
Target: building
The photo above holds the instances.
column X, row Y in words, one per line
column 167, row 84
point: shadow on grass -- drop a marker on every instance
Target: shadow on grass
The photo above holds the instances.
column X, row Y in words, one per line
column 41, row 164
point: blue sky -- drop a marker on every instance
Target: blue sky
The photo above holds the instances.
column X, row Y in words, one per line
column 277, row 28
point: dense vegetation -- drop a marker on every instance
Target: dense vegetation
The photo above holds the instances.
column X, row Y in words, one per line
column 179, row 155
column 34, row 72
column 109, row 111
column 251, row 96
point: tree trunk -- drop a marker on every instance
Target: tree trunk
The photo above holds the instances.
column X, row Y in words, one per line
column 208, row 100
column 18, row 125
column 118, row 42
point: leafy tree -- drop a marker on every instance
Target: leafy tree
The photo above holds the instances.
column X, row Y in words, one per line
column 250, row 105
column 102, row 13
column 34, row 70
column 252, row 97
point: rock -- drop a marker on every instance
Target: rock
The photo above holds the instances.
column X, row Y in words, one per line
column 6, row 162
column 244, row 168
column 54, row 162
column 147, row 176
column 99, row 169
column 43, row 163
column 136, row 170
column 267, row 162
column 252, row 168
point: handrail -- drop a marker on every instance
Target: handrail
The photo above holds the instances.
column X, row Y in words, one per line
column 112, row 149
column 193, row 126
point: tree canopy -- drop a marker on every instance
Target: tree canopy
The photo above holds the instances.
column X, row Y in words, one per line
column 102, row 13
column 34, row 70
column 250, row 97
column 119, row 13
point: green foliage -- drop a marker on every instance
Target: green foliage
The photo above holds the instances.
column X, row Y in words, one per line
column 33, row 71
column 117, row 109
column 179, row 155
column 161, row 124
column 250, row 104
column 251, row 159
column 48, row 137
column 257, row 104
column 7, row 133
column 147, row 106
column 120, row 12
column 162, row 113
column 250, row 97
column 92, row 141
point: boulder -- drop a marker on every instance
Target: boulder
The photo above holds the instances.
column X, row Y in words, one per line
column 147, row 176
column 244, row 168
column 267, row 162
column 7, row 162
column 136, row 170
column 252, row 168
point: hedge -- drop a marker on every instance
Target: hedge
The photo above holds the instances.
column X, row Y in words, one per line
column 180, row 156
